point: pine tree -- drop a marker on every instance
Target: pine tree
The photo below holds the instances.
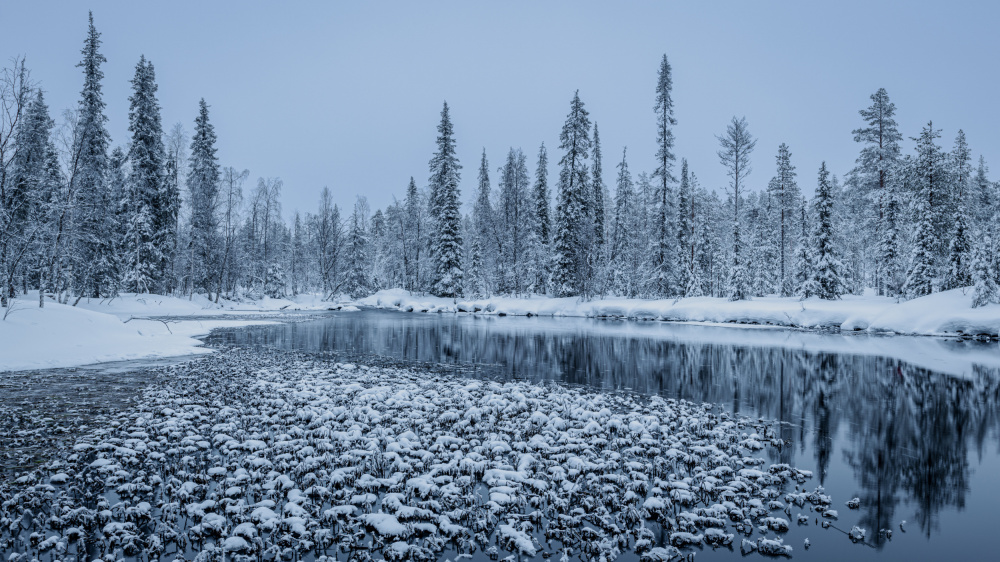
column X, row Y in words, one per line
column 597, row 188
column 571, row 228
column 984, row 276
column 357, row 283
column 541, row 193
column 983, row 196
column 203, row 183
column 447, row 248
column 145, row 222
column 785, row 193
column 415, row 236
column 665, row 121
column 805, row 281
column 888, row 249
column 685, row 235
column 33, row 198
column 89, row 163
column 827, row 268
column 484, row 242
column 737, row 145
column 875, row 164
column 958, row 255
column 623, row 233
column 922, row 270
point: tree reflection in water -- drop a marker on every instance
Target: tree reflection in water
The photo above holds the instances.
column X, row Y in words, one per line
column 908, row 429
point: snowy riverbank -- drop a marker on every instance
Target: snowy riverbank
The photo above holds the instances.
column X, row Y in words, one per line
column 128, row 327
column 948, row 313
column 263, row 454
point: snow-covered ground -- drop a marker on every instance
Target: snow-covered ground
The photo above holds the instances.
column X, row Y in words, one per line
column 119, row 329
column 264, row 454
column 947, row 313
column 64, row 336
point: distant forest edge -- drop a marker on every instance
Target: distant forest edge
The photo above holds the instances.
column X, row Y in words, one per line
column 80, row 218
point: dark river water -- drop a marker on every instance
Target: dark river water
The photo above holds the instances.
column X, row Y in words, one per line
column 907, row 425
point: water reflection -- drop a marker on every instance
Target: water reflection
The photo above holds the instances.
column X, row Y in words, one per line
column 907, row 430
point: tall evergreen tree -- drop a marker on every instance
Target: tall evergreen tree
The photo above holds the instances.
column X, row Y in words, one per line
column 923, row 264
column 665, row 122
column 571, row 228
column 483, row 242
column 983, row 198
column 203, row 183
column 358, row 280
column 541, row 193
column 416, row 233
column 32, row 198
column 444, row 178
column 785, row 194
column 959, row 246
column 685, row 233
column 597, row 188
column 737, row 145
column 805, row 281
column 984, row 275
column 622, row 256
column 89, row 163
column 827, row 268
column 875, row 165
column 146, row 198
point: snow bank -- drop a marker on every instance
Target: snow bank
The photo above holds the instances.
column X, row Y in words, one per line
column 150, row 305
column 66, row 336
column 947, row 313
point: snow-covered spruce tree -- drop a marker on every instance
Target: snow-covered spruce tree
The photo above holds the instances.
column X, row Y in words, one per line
column 920, row 275
column 875, row 164
column 357, row 283
column 958, row 274
column 665, row 275
column 447, row 244
column 785, row 195
column 701, row 239
column 737, row 145
column 983, row 197
column 826, row 270
column 484, row 254
column 32, row 195
column 203, row 184
column 144, row 220
column 572, row 231
column 685, row 234
column 984, row 276
column 805, row 281
column 543, row 224
column 597, row 188
column 541, row 194
column 88, row 163
column 623, row 233
column 888, row 249
column 416, row 232
column 513, row 221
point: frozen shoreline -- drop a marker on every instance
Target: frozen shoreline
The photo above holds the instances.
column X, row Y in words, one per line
column 126, row 328
column 948, row 313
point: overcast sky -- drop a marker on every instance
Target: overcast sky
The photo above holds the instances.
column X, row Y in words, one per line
column 348, row 94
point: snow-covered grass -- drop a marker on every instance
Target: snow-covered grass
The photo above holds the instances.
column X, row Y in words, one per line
column 265, row 454
column 947, row 313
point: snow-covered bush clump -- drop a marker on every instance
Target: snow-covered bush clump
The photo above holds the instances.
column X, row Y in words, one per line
column 268, row 455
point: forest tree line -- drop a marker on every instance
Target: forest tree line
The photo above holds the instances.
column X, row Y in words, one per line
column 80, row 219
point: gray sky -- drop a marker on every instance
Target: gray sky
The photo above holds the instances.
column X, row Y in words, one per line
column 348, row 94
